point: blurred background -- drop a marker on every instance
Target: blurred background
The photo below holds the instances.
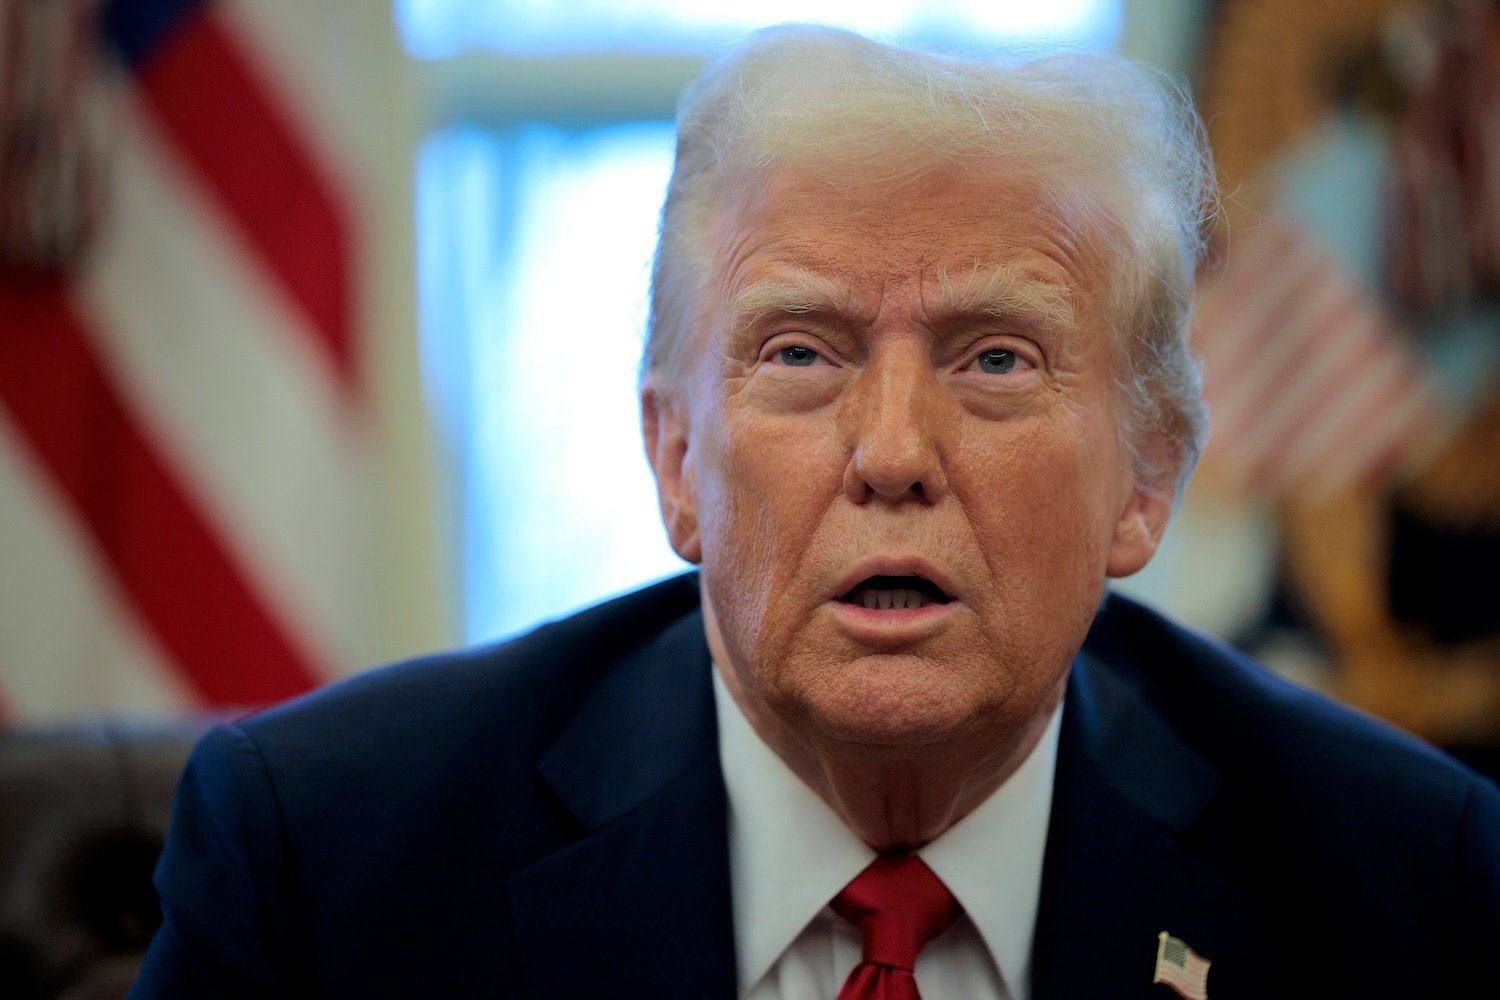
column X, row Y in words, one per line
column 319, row 326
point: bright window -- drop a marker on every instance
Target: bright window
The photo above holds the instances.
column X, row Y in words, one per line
column 442, row 28
column 534, row 256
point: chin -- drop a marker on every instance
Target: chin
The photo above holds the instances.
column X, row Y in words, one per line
column 891, row 701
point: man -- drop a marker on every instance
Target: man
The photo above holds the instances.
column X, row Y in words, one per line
column 916, row 386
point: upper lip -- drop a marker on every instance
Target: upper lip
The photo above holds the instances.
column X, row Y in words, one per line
column 893, row 566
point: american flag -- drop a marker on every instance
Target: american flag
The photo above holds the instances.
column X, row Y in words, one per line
column 1444, row 239
column 1311, row 386
column 1181, row 968
column 188, row 445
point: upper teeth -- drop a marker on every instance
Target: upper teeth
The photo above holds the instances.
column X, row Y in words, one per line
column 885, row 599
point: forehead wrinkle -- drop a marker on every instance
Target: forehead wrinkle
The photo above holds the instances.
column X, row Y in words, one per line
column 1005, row 292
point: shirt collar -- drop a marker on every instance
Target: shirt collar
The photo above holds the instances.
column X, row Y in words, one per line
column 790, row 853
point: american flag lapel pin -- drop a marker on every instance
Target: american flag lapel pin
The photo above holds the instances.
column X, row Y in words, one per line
column 1181, row 968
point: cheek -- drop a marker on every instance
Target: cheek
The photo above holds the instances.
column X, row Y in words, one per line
column 1044, row 545
column 1041, row 501
column 782, row 472
column 765, row 486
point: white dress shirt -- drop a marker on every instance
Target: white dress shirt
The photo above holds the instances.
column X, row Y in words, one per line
column 790, row 854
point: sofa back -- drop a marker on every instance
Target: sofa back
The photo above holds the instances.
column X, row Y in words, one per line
column 83, row 812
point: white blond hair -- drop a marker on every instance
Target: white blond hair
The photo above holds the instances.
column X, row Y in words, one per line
column 1102, row 135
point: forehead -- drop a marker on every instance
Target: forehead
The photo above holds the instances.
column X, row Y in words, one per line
column 944, row 223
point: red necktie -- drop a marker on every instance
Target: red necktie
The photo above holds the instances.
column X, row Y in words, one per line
column 899, row 905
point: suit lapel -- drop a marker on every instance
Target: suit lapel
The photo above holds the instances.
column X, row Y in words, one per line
column 1117, row 869
column 641, row 905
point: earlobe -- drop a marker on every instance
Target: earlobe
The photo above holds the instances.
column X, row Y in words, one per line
column 664, row 426
column 1139, row 531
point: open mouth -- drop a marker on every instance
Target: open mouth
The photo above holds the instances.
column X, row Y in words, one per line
column 894, row 593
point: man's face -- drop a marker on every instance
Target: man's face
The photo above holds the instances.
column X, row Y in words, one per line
column 896, row 458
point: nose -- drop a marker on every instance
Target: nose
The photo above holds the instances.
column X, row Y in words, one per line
column 892, row 417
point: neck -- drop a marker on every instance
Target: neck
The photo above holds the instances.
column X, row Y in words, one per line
column 898, row 798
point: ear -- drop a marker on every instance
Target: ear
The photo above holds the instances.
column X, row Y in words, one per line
column 1140, row 527
column 665, row 425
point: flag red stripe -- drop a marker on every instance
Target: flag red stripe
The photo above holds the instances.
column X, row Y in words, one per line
column 1328, row 447
column 1264, row 388
column 168, row 562
column 1320, row 419
column 1250, row 293
column 224, row 123
column 1302, row 406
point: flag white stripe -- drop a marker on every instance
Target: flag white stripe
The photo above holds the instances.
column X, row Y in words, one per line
column 67, row 637
column 1308, row 383
column 1256, row 253
column 1346, row 412
column 1398, row 426
column 1364, row 423
column 1289, row 409
column 1289, row 356
column 1249, row 297
column 1303, row 461
column 245, row 405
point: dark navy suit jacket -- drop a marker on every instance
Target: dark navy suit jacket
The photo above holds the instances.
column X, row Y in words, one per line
column 546, row 818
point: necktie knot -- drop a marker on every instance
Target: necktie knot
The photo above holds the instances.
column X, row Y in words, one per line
column 899, row 905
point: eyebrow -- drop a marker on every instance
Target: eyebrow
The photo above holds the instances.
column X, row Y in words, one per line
column 797, row 293
column 1005, row 292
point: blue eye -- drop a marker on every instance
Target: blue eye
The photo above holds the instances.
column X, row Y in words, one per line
column 997, row 362
column 798, row 357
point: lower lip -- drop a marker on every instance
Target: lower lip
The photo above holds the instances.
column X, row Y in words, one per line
column 891, row 623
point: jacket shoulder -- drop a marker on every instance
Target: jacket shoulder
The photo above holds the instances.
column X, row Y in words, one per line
column 1244, row 719
column 387, row 753
column 1339, row 827
column 384, row 814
